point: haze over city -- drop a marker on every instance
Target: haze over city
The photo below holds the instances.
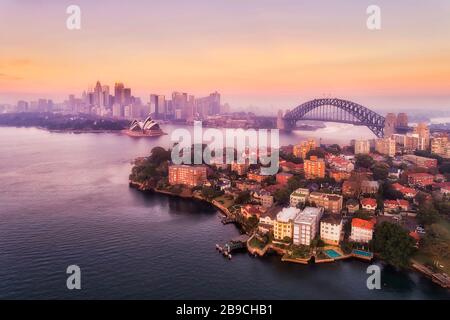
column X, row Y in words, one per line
column 265, row 54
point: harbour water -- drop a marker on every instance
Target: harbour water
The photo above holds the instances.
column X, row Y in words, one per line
column 64, row 200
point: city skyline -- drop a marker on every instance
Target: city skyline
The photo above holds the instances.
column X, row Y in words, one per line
column 264, row 56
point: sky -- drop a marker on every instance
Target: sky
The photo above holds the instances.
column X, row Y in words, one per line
column 266, row 54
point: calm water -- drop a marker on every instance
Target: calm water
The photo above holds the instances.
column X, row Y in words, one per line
column 64, row 200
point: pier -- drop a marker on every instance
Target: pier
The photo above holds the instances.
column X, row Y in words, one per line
column 239, row 242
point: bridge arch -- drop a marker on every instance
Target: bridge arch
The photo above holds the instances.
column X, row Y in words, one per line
column 356, row 114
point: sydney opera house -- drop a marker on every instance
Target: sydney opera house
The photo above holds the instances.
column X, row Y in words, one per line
column 146, row 128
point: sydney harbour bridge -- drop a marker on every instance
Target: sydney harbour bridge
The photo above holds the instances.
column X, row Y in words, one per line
column 334, row 110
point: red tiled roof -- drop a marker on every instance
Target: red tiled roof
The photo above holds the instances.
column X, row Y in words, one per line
column 363, row 224
column 369, row 202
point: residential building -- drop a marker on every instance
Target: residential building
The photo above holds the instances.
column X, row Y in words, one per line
column 306, row 225
column 441, row 146
column 302, row 149
column 264, row 198
column 187, row 175
column 250, row 210
column 352, row 205
column 405, row 191
column 239, row 168
column 287, row 166
column 331, row 229
column 386, row 146
column 420, row 179
column 314, row 168
column 283, row 178
column 267, row 219
column 423, row 162
column 339, row 176
column 362, row 230
column 300, row 195
column 256, row 176
column 330, row 202
column 396, row 205
column 362, row 147
column 369, row 204
column 283, row 226
column 424, row 133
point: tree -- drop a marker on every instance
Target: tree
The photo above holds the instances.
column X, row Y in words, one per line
column 243, row 197
column 427, row 214
column 282, row 196
column 364, row 161
column 380, row 171
column 394, row 244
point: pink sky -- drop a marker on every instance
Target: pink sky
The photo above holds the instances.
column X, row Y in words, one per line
column 255, row 52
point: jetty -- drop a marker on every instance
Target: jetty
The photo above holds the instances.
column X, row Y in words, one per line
column 239, row 242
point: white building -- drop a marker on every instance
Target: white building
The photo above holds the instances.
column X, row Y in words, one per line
column 362, row 147
column 306, row 225
column 300, row 195
column 362, row 230
column 331, row 229
column 283, row 224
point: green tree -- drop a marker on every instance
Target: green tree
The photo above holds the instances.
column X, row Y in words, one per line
column 282, row 196
column 243, row 197
column 394, row 244
column 364, row 161
column 427, row 214
column 380, row 171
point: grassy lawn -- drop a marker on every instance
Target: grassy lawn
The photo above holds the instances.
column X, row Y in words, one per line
column 255, row 243
column 225, row 200
column 301, row 252
column 436, row 251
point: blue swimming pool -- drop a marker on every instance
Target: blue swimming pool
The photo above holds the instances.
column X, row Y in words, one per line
column 363, row 253
column 332, row 254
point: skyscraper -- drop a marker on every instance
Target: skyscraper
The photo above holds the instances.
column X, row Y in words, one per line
column 424, row 133
column 118, row 93
column 390, row 124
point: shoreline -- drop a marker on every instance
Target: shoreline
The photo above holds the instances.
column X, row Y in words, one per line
column 415, row 266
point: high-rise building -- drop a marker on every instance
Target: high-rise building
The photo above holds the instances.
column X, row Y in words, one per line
column 105, row 93
column 314, row 168
column 118, row 93
column 390, row 124
column 441, row 146
column 98, row 95
column 402, row 120
column 362, row 147
column 386, row 146
column 302, row 149
column 207, row 106
column 187, row 175
column 424, row 133
column 127, row 99
column 306, row 225
column 158, row 106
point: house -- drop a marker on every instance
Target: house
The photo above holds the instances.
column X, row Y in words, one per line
column 250, row 210
column 300, row 195
column 306, row 225
column 287, row 166
column 422, row 162
column 283, row 178
column 339, row 176
column 394, row 173
column 362, row 230
column 396, row 205
column 256, row 176
column 340, row 164
column 405, row 191
column 331, row 229
column 369, row 204
column 420, row 179
column 263, row 197
column 267, row 219
column 352, row 205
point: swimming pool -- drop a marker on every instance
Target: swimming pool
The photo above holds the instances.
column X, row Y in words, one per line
column 363, row 253
column 332, row 253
